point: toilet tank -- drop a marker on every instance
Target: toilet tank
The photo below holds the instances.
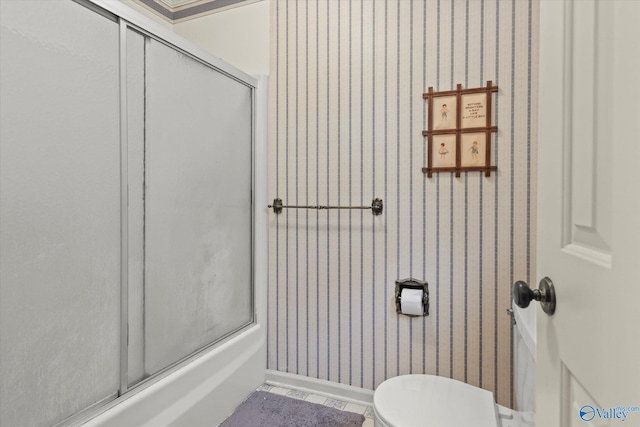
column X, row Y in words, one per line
column 524, row 350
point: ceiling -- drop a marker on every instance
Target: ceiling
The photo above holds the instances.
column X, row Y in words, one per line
column 182, row 10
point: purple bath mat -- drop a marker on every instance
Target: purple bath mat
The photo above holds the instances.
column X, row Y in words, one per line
column 264, row 409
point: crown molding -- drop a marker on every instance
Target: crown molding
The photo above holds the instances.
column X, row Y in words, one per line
column 182, row 10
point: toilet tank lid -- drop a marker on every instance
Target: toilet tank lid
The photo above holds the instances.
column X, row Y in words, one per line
column 426, row 400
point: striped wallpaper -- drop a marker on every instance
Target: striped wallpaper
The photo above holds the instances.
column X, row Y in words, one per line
column 346, row 118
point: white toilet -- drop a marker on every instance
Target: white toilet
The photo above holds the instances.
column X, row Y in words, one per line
column 433, row 401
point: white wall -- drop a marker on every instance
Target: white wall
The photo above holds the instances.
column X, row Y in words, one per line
column 240, row 36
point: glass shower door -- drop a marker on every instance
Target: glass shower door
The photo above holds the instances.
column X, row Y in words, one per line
column 197, row 206
column 126, row 240
column 59, row 210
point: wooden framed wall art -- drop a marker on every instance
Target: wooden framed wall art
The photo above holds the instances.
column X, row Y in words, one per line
column 460, row 130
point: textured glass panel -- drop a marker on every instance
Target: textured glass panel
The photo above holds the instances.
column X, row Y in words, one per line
column 135, row 137
column 60, row 209
column 197, row 206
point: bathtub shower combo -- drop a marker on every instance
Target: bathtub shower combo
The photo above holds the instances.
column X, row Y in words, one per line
column 132, row 163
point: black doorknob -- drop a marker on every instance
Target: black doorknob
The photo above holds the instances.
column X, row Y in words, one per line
column 546, row 294
column 522, row 294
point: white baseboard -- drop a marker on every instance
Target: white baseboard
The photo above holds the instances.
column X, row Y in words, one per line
column 357, row 395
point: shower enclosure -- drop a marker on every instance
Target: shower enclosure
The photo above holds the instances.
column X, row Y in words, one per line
column 128, row 222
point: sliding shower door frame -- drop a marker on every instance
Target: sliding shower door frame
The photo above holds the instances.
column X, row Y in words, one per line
column 131, row 20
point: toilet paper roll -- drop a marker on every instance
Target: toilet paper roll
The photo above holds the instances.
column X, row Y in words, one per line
column 411, row 301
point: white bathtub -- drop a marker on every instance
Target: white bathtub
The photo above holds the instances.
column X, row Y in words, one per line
column 202, row 393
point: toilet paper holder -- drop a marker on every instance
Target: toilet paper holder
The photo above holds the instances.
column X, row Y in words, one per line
column 412, row 284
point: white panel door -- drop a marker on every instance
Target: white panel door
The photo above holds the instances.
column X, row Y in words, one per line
column 588, row 356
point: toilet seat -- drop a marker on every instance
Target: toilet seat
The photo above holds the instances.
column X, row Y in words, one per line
column 429, row 400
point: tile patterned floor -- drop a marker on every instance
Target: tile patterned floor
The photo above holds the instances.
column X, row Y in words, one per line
column 367, row 411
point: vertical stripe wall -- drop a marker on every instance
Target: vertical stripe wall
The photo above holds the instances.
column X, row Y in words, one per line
column 346, row 116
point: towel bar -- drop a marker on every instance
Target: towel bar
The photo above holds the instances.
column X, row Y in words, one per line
column 376, row 206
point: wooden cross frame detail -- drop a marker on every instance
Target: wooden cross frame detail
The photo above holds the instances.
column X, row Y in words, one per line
column 460, row 130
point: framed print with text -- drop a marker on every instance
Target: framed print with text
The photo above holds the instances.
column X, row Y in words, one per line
column 459, row 130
